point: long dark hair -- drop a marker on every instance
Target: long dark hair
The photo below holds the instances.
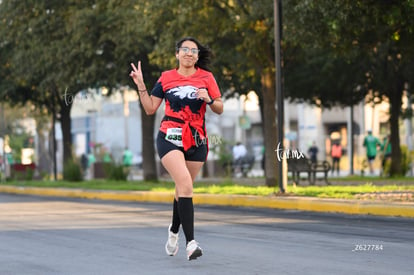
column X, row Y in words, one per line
column 204, row 56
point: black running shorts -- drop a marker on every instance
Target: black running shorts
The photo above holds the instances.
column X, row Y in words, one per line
column 195, row 153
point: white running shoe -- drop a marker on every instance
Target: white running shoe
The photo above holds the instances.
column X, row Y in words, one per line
column 193, row 250
column 171, row 247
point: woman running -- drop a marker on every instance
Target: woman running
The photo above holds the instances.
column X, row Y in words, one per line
column 182, row 138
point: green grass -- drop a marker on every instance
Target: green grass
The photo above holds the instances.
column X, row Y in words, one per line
column 98, row 185
column 346, row 192
column 369, row 178
column 226, row 187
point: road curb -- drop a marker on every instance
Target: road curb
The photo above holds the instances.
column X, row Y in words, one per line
column 313, row 204
column 356, row 207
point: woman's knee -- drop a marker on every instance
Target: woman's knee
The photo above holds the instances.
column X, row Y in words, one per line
column 184, row 189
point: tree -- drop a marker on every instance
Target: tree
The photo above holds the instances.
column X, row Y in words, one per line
column 366, row 45
column 43, row 60
column 53, row 50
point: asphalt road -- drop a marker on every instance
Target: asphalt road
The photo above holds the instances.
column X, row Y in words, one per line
column 41, row 235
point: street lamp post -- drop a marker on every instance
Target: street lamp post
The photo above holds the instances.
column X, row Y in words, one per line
column 277, row 5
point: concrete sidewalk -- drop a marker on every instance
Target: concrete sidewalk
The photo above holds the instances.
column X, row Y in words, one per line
column 357, row 207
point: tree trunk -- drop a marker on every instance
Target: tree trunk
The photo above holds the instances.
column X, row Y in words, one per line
column 148, row 150
column 395, row 106
column 53, row 134
column 66, row 126
column 44, row 161
column 269, row 127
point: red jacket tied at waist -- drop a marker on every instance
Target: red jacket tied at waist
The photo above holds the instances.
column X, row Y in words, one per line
column 188, row 137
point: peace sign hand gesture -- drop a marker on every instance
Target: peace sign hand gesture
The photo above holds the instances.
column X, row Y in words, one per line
column 136, row 75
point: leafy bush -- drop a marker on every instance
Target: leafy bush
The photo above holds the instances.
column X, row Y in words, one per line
column 115, row 172
column 29, row 174
column 21, row 172
column 72, row 171
column 222, row 149
column 406, row 157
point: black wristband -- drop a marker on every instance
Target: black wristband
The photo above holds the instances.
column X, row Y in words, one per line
column 211, row 102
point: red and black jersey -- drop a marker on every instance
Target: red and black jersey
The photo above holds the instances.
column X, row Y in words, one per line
column 180, row 94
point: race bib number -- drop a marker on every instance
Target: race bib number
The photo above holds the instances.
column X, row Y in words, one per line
column 174, row 135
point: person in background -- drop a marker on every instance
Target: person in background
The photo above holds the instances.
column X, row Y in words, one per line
column 91, row 161
column 313, row 152
column 182, row 140
column 107, row 158
column 336, row 154
column 239, row 152
column 371, row 143
column 127, row 157
column 386, row 152
column 84, row 163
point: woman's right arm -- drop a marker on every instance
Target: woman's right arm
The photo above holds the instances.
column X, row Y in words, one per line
column 149, row 102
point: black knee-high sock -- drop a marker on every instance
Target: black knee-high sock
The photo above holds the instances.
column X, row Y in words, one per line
column 186, row 211
column 175, row 225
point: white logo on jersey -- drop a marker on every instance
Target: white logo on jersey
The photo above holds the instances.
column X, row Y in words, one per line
column 189, row 92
